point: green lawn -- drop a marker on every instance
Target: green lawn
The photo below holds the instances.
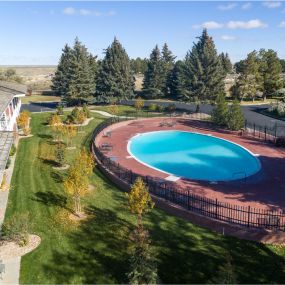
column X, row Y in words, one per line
column 95, row 251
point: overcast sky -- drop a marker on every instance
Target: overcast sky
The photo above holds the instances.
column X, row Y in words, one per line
column 35, row 32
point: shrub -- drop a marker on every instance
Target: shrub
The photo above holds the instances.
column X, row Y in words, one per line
column 171, row 107
column 86, row 111
column 16, row 228
column 77, row 116
column 13, row 150
column 8, row 163
column 59, row 110
column 152, row 93
column 60, row 154
column 160, row 108
column 152, row 107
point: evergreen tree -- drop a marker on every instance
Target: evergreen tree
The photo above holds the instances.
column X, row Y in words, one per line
column 60, row 81
column 177, row 82
column 143, row 267
column 235, row 119
column 220, row 112
column 82, row 74
column 249, row 81
column 115, row 79
column 204, row 73
column 153, row 78
column 138, row 65
column 75, row 76
column 270, row 68
column 226, row 63
column 167, row 65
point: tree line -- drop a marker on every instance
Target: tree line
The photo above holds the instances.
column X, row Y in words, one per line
column 80, row 77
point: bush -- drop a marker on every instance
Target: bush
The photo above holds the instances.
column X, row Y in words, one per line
column 16, row 228
column 152, row 93
column 77, row 116
column 160, row 108
column 59, row 110
column 13, row 150
column 171, row 108
column 86, row 111
column 8, row 163
column 152, row 107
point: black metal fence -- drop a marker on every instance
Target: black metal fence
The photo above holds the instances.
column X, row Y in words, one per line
column 245, row 216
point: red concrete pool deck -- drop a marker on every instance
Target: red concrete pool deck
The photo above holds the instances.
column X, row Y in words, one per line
column 265, row 190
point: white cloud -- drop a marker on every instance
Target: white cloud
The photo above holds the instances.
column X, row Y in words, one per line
column 246, row 6
column 226, row 7
column 87, row 12
column 282, row 24
column 69, row 11
column 272, row 4
column 252, row 24
column 228, row 38
column 209, row 25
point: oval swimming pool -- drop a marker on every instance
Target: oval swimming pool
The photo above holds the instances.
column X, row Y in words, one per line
column 193, row 155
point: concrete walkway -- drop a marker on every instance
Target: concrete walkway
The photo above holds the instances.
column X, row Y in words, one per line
column 12, row 265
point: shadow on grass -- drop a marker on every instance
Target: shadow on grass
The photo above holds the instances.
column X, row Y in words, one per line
column 51, row 199
column 97, row 253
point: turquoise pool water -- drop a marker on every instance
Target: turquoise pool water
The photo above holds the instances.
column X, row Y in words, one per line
column 193, row 156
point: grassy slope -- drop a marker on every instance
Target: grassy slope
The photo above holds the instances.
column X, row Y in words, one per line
column 96, row 250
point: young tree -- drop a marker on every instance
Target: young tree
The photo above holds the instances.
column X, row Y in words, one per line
column 56, row 125
column 220, row 112
column 60, row 154
column 86, row 111
column 203, row 70
column 143, row 266
column 23, row 122
column 139, row 104
column 235, row 119
column 77, row 181
column 154, row 78
column 139, row 199
column 70, row 132
column 115, row 78
column 113, row 109
column 168, row 60
column 270, row 69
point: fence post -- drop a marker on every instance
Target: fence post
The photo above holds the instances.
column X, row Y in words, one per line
column 216, row 209
column 248, row 216
column 265, row 129
column 188, row 199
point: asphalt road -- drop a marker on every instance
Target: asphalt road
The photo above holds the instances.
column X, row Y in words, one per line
column 251, row 112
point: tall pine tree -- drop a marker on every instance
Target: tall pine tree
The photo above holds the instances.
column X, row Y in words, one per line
column 154, row 78
column 226, row 63
column 60, row 81
column 270, row 69
column 204, row 73
column 115, row 78
column 82, row 74
column 75, row 76
column 167, row 65
column 177, row 84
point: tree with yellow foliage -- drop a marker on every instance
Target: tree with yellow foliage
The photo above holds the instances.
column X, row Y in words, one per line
column 113, row 109
column 23, row 122
column 70, row 132
column 139, row 104
column 56, row 125
column 77, row 181
column 139, row 199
